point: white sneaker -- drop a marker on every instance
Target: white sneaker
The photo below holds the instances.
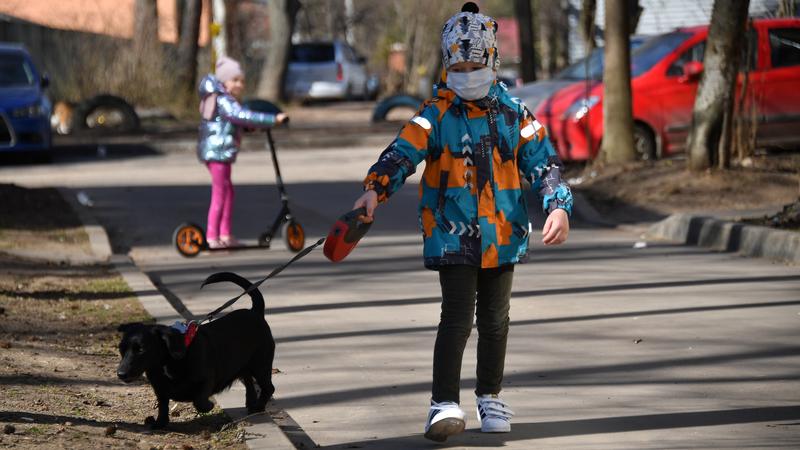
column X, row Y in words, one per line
column 215, row 244
column 444, row 420
column 494, row 414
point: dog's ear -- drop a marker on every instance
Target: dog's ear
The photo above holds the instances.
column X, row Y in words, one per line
column 174, row 340
column 125, row 327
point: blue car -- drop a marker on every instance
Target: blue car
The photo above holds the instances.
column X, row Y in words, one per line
column 24, row 106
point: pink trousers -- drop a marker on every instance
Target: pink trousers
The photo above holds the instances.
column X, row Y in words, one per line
column 221, row 208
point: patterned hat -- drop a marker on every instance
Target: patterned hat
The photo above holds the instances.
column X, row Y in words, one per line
column 470, row 36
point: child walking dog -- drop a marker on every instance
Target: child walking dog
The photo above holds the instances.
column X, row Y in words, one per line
column 475, row 140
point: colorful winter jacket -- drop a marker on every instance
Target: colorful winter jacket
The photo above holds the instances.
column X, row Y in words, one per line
column 472, row 208
column 220, row 136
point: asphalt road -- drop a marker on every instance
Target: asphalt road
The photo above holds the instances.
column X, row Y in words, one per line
column 611, row 346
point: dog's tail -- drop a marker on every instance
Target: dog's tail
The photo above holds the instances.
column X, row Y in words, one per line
column 244, row 283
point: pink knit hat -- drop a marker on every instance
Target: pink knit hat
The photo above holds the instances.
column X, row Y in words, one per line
column 227, row 68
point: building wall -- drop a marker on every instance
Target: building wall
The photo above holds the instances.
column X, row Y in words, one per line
column 107, row 17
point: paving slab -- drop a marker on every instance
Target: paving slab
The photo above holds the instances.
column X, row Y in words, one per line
column 613, row 344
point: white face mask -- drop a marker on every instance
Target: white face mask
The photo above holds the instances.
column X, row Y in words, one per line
column 471, row 85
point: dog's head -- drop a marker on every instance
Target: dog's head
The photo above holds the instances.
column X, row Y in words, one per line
column 146, row 346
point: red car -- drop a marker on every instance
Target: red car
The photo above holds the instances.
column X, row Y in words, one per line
column 665, row 72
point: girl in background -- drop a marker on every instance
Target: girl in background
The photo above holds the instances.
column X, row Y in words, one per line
column 223, row 118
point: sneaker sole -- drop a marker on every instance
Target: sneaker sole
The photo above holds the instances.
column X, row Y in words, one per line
column 445, row 428
column 496, row 430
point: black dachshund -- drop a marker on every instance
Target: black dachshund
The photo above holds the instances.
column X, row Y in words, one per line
column 236, row 346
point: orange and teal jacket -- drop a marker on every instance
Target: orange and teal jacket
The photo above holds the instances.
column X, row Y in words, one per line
column 472, row 208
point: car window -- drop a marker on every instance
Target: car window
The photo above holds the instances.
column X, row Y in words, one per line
column 654, row 50
column 693, row 53
column 784, row 44
column 577, row 70
column 15, row 71
column 310, row 53
column 697, row 53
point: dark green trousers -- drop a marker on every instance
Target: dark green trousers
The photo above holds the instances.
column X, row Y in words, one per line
column 461, row 285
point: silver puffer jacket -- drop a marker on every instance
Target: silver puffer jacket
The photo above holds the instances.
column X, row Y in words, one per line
column 220, row 136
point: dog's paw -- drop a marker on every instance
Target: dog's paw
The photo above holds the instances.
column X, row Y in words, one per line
column 204, row 405
column 154, row 424
column 252, row 409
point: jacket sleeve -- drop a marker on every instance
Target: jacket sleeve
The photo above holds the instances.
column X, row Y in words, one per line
column 540, row 164
column 401, row 157
column 234, row 112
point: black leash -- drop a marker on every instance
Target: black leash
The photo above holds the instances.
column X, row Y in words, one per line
column 255, row 285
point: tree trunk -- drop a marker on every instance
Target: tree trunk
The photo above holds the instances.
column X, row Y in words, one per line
column 145, row 37
column 187, row 50
column 635, row 13
column 180, row 7
column 562, row 35
column 282, row 14
column 145, row 28
column 617, row 144
column 526, row 49
column 715, row 93
column 588, row 11
column 547, row 36
column 233, row 31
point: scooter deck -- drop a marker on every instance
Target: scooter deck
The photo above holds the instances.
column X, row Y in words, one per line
column 235, row 248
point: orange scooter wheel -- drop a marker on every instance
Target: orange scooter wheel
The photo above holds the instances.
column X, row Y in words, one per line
column 189, row 239
column 293, row 236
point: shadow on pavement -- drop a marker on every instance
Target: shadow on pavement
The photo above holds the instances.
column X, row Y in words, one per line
column 70, row 154
column 432, row 329
column 601, row 425
column 588, row 375
column 147, row 215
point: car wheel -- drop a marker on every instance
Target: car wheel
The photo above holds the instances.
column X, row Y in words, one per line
column 261, row 105
column 396, row 101
column 105, row 113
column 644, row 142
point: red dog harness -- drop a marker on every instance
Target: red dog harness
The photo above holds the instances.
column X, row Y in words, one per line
column 191, row 330
column 188, row 330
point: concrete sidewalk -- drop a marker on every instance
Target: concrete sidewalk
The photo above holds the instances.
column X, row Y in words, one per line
column 612, row 345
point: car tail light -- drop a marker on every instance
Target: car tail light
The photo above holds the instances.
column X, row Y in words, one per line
column 339, row 73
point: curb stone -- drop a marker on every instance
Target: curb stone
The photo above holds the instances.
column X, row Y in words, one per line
column 720, row 235
column 269, row 436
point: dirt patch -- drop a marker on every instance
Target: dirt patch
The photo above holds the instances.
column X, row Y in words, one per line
column 58, row 352
column 646, row 191
column 40, row 220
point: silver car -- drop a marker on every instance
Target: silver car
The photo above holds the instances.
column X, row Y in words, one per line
column 326, row 70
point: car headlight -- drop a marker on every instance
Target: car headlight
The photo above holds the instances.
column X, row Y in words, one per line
column 31, row 111
column 581, row 107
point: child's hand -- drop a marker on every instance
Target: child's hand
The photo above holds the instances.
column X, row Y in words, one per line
column 556, row 228
column 281, row 118
column 370, row 201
